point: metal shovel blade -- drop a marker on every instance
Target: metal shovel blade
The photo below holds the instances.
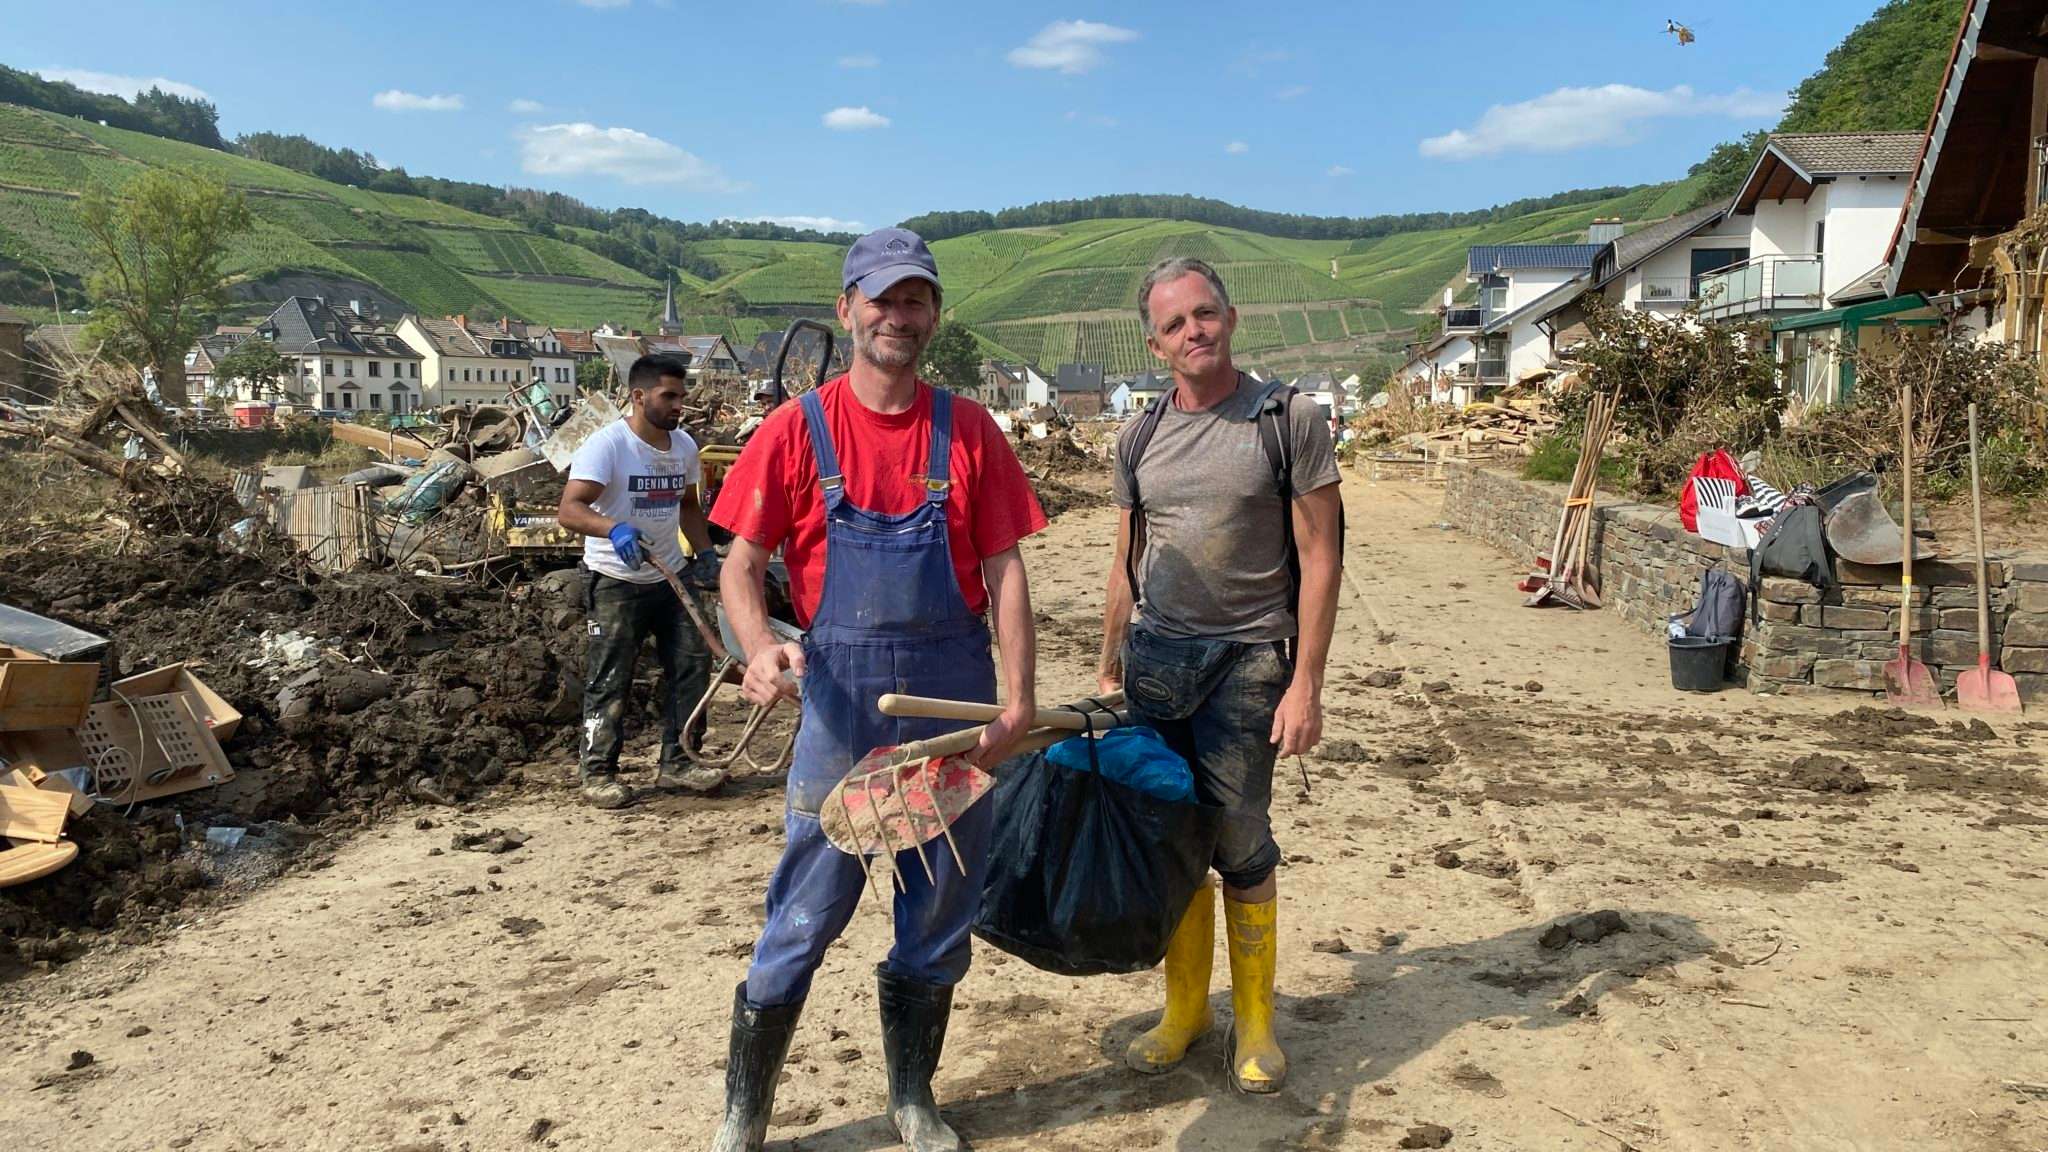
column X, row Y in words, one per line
column 1862, row 532
column 882, row 808
column 1986, row 689
column 1908, row 683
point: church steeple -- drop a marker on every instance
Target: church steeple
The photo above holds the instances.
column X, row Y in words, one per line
column 671, row 324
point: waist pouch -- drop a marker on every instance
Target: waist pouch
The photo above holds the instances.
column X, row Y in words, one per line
column 1168, row 677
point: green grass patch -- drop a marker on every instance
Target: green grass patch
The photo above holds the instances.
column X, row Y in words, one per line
column 1556, row 457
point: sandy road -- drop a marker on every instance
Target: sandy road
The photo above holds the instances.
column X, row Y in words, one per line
column 1804, row 969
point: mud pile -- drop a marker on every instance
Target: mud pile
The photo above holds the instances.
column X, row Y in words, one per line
column 360, row 690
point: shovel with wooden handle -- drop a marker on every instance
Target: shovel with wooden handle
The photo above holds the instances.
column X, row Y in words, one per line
column 1983, row 688
column 1907, row 683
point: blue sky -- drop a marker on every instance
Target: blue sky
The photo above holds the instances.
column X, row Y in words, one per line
column 868, row 111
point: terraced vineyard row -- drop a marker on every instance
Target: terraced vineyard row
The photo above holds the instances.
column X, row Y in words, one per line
column 1120, row 344
column 573, row 305
column 42, row 230
column 423, row 282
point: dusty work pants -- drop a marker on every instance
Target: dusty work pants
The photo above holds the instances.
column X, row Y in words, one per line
column 623, row 615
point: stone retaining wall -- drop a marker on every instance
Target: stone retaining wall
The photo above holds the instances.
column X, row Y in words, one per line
column 1647, row 566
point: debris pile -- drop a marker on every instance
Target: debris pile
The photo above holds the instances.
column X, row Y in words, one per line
column 1506, row 428
column 358, row 691
column 1067, row 463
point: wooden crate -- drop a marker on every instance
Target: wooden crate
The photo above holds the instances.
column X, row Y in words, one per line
column 177, row 679
column 38, row 693
column 149, row 747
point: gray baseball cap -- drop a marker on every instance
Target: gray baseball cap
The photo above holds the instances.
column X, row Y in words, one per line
column 883, row 258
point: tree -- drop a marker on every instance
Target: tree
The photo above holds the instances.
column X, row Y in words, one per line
column 594, row 375
column 159, row 245
column 952, row 360
column 1721, row 174
column 260, row 363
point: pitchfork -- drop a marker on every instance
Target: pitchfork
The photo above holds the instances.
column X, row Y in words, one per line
column 929, row 784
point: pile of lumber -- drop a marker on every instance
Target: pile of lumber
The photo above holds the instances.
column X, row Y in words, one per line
column 1508, row 428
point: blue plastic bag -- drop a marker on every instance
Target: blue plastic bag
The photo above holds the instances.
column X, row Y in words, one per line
column 1134, row 757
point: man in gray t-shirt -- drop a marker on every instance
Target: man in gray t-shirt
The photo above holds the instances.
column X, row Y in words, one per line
column 1204, row 652
column 1214, row 561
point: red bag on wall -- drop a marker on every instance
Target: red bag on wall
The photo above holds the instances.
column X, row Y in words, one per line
column 1717, row 464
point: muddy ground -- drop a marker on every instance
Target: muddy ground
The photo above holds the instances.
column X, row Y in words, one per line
column 1832, row 933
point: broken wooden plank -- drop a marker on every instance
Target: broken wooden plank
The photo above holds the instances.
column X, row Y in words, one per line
column 33, row 814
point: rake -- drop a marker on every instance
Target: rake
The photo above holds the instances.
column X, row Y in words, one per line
column 903, row 797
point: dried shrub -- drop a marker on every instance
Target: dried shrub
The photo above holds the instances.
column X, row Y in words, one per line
column 1949, row 369
column 1682, row 388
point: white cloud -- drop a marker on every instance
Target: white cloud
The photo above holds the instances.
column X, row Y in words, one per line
column 817, row 223
column 1252, row 60
column 525, row 107
column 1291, row 92
column 1095, row 118
column 1337, row 170
column 861, row 60
column 1237, row 147
column 620, row 153
column 393, row 100
column 1070, row 46
column 1569, row 119
column 854, row 119
column 112, row 84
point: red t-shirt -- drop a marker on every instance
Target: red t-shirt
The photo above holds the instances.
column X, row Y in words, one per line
column 771, row 497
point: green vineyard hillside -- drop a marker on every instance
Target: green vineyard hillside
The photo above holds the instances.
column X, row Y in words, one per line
column 1045, row 295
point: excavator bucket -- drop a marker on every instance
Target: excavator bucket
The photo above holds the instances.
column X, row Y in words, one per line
column 1861, row 531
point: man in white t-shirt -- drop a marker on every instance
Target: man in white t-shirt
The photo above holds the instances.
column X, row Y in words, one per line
column 632, row 485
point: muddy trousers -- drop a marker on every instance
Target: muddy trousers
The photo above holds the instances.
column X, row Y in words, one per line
column 816, row 888
column 623, row 615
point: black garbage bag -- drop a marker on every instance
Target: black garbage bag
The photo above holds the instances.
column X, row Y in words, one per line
column 1088, row 876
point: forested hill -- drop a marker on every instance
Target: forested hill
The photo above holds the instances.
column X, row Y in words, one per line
column 1882, row 77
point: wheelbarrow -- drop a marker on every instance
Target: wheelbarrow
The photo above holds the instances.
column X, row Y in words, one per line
column 731, row 669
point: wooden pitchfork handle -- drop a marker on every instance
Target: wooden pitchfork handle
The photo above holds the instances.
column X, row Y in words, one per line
column 898, row 704
column 955, row 743
column 704, row 629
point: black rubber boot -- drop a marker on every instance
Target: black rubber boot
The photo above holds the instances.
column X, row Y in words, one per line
column 914, row 1019
column 760, row 1041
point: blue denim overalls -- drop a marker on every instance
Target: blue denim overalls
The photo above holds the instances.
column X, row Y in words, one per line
column 890, row 619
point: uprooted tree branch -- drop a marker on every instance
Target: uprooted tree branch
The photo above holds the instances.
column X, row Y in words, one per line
column 99, row 400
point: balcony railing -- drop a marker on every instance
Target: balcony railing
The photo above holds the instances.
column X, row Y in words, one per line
column 1667, row 289
column 1765, row 284
column 1491, row 369
column 1459, row 319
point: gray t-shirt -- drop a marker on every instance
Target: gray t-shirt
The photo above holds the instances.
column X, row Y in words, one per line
column 1214, row 559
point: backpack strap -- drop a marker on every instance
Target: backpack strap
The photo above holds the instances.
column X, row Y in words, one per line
column 1128, row 455
column 1274, row 441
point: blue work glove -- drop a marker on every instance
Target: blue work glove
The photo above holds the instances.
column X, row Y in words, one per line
column 701, row 572
column 628, row 544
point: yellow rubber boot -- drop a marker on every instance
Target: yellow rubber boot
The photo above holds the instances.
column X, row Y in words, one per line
column 1189, row 956
column 1256, row 1062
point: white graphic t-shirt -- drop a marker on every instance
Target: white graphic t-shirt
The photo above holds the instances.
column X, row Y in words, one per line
column 643, row 486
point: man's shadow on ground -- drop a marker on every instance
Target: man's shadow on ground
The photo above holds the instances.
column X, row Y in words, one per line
column 1392, row 1007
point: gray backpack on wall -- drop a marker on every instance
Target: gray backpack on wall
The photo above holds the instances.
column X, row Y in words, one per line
column 1718, row 613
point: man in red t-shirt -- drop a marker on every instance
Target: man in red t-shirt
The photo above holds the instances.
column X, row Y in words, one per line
column 898, row 508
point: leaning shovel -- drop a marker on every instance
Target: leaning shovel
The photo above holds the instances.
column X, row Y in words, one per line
column 1907, row 683
column 1983, row 688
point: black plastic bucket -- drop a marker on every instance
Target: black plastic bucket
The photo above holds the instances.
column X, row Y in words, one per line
column 1698, row 662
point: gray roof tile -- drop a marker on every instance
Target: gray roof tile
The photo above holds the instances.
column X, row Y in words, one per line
column 1837, row 153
